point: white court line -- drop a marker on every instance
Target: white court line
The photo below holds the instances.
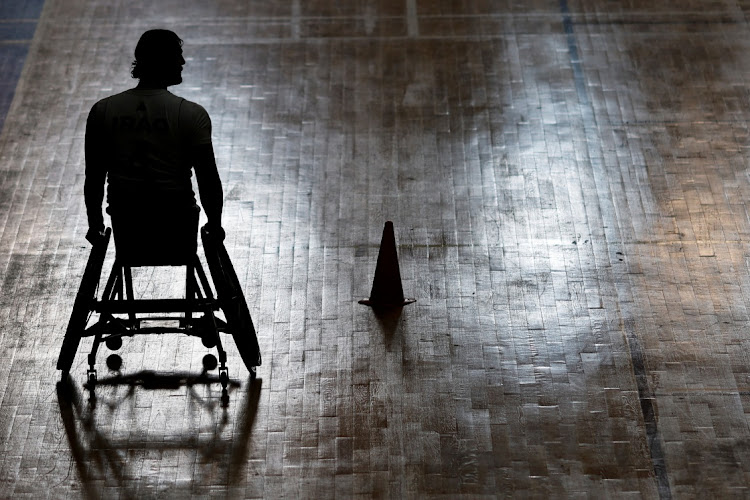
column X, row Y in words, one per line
column 412, row 24
column 296, row 16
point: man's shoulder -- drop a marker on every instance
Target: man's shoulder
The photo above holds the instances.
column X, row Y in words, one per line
column 194, row 117
column 194, row 113
column 117, row 96
column 193, row 107
column 102, row 103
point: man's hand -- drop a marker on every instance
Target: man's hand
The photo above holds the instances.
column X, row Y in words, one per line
column 95, row 236
column 214, row 231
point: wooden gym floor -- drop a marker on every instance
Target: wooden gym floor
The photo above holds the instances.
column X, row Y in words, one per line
column 568, row 182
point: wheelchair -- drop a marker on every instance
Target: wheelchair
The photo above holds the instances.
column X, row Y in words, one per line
column 158, row 239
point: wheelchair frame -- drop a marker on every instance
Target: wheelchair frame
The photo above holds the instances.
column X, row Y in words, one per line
column 118, row 300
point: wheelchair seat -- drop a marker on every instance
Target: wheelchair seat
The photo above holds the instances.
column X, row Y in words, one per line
column 159, row 237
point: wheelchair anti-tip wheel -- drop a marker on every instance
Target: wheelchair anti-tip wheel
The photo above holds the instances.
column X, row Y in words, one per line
column 114, row 362
column 210, row 362
column 113, row 343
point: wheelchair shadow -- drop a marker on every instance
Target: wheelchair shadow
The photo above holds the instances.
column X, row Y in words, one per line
column 100, row 457
column 152, row 380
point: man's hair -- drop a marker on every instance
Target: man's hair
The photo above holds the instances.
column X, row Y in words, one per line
column 154, row 48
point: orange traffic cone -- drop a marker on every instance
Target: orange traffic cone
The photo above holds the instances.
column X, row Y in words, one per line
column 386, row 287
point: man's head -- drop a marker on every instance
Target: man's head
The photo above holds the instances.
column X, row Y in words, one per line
column 158, row 58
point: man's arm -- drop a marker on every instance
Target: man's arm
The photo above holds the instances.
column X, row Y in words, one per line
column 209, row 184
column 96, row 174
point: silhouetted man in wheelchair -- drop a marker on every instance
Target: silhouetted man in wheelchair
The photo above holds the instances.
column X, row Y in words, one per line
column 145, row 142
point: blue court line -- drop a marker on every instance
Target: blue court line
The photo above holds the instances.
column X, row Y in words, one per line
column 637, row 357
column 18, row 21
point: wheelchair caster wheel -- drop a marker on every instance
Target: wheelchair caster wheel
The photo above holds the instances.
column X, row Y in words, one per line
column 209, row 341
column 92, row 378
column 209, row 362
column 113, row 343
column 114, row 362
column 224, row 378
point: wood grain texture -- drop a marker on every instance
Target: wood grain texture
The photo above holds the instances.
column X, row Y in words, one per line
column 568, row 185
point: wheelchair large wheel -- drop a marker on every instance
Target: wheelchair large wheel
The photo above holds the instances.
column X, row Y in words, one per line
column 242, row 329
column 232, row 301
column 82, row 306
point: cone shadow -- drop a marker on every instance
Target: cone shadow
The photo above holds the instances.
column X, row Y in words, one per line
column 388, row 318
